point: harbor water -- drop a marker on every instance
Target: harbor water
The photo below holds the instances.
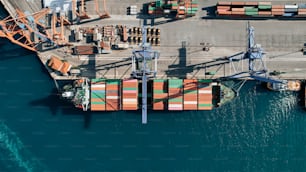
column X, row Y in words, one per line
column 258, row 131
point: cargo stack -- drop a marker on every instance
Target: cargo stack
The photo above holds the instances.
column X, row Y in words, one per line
column 191, row 8
column 130, row 94
column 205, row 95
column 190, row 94
column 278, row 10
column 175, row 87
column 260, row 9
column 290, row 10
column 97, row 102
column 224, row 8
column 302, row 10
column 160, row 94
column 112, row 95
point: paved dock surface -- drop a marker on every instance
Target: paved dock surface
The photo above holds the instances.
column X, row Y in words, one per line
column 282, row 40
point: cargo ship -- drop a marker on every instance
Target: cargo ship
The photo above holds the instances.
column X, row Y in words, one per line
column 163, row 94
column 288, row 86
column 260, row 10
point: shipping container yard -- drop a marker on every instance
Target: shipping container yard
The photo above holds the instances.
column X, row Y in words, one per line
column 130, row 56
column 260, row 9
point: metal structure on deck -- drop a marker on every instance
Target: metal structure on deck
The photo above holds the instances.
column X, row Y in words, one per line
column 256, row 65
column 144, row 66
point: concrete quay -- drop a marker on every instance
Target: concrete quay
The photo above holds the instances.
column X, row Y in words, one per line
column 282, row 40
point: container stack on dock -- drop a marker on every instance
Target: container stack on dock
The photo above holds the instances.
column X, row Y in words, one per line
column 160, row 94
column 190, row 94
column 97, row 102
column 130, row 94
column 113, row 95
column 205, row 95
column 259, row 9
column 180, row 9
column 175, row 87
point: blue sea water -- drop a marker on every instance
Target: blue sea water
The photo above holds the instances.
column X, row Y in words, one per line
column 258, row 131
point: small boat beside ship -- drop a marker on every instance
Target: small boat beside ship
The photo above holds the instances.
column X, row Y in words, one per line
column 163, row 94
column 291, row 85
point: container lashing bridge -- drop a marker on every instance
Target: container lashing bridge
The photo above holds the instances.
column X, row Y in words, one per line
column 144, row 66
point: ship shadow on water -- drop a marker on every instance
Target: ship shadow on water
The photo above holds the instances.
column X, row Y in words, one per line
column 59, row 106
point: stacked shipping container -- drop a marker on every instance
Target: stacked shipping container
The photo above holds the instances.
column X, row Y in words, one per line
column 182, row 9
column 160, row 94
column 130, row 94
column 113, row 95
column 97, row 95
column 205, row 96
column 260, row 9
column 175, row 87
column 190, row 94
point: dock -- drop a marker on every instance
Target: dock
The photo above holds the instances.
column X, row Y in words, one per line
column 282, row 41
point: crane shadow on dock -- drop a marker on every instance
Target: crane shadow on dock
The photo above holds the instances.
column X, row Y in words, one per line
column 105, row 68
column 181, row 69
column 90, row 67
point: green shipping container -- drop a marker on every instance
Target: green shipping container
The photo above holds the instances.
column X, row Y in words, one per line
column 204, row 105
column 151, row 8
column 113, row 82
column 159, row 91
column 129, row 89
column 251, row 13
column 159, row 3
column 264, row 7
column 176, row 100
column 160, row 80
column 97, row 95
column 98, row 103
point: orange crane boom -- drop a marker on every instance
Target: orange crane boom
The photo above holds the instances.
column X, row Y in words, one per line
column 82, row 14
column 101, row 15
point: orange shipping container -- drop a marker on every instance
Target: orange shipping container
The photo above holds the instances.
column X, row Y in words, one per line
column 238, row 3
column 224, row 3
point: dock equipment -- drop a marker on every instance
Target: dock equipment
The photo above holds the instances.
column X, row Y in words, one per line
column 81, row 14
column 23, row 29
column 144, row 66
column 256, row 66
column 105, row 13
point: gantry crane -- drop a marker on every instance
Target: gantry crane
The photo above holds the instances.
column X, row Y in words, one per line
column 81, row 14
column 58, row 37
column 19, row 30
column 256, row 66
column 103, row 15
column 144, row 66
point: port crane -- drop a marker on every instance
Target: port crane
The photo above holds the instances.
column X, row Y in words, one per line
column 144, row 66
column 256, row 66
column 103, row 15
column 24, row 28
column 81, row 14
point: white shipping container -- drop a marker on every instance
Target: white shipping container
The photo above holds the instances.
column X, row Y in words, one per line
column 166, row 11
column 129, row 100
column 133, row 7
column 98, row 86
column 291, row 6
column 112, row 97
column 190, row 102
column 205, row 91
column 175, row 106
column 181, row 7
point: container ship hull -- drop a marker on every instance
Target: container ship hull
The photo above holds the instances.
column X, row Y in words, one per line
column 163, row 94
